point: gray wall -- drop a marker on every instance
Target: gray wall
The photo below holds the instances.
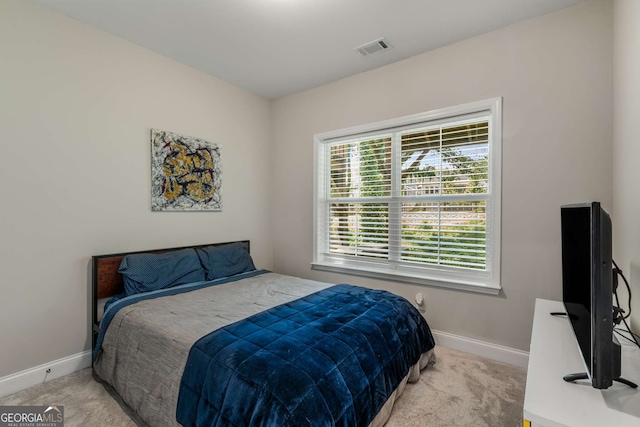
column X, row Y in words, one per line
column 626, row 146
column 554, row 73
column 76, row 108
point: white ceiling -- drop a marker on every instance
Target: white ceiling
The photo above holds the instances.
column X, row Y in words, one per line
column 279, row 47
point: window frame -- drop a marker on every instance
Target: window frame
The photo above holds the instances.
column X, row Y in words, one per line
column 440, row 276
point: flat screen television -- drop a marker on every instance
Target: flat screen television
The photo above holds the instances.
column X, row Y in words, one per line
column 587, row 290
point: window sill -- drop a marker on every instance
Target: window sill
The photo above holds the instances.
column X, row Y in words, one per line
column 398, row 276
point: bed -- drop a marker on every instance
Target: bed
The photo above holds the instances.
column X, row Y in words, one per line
column 233, row 345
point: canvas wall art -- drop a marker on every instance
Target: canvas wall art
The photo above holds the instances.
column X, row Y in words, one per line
column 186, row 173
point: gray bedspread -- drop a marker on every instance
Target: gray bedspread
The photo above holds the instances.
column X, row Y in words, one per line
column 147, row 344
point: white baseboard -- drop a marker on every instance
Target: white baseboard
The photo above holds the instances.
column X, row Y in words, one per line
column 30, row 377
column 481, row 348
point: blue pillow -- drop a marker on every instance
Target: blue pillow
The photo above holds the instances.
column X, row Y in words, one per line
column 150, row 272
column 225, row 260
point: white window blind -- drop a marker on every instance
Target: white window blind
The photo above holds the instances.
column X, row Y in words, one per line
column 414, row 199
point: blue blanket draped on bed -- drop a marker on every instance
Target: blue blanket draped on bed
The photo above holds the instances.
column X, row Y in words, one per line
column 328, row 359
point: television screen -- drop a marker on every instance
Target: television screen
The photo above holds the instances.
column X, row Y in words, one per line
column 587, row 288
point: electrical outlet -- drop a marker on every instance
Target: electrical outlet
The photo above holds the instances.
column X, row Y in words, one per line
column 420, row 302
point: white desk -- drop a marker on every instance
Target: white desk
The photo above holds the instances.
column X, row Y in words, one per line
column 552, row 402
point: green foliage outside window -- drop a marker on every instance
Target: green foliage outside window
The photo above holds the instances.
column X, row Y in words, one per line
column 432, row 165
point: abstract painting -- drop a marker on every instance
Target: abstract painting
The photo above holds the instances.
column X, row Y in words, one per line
column 186, row 173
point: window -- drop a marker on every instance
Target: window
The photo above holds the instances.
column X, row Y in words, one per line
column 413, row 199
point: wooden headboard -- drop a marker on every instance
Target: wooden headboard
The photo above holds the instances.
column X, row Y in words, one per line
column 107, row 282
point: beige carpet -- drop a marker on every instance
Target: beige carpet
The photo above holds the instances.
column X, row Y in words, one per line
column 462, row 390
column 459, row 390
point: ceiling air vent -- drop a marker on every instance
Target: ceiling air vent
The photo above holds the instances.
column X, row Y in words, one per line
column 373, row 47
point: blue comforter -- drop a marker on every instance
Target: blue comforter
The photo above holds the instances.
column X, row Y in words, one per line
column 332, row 358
